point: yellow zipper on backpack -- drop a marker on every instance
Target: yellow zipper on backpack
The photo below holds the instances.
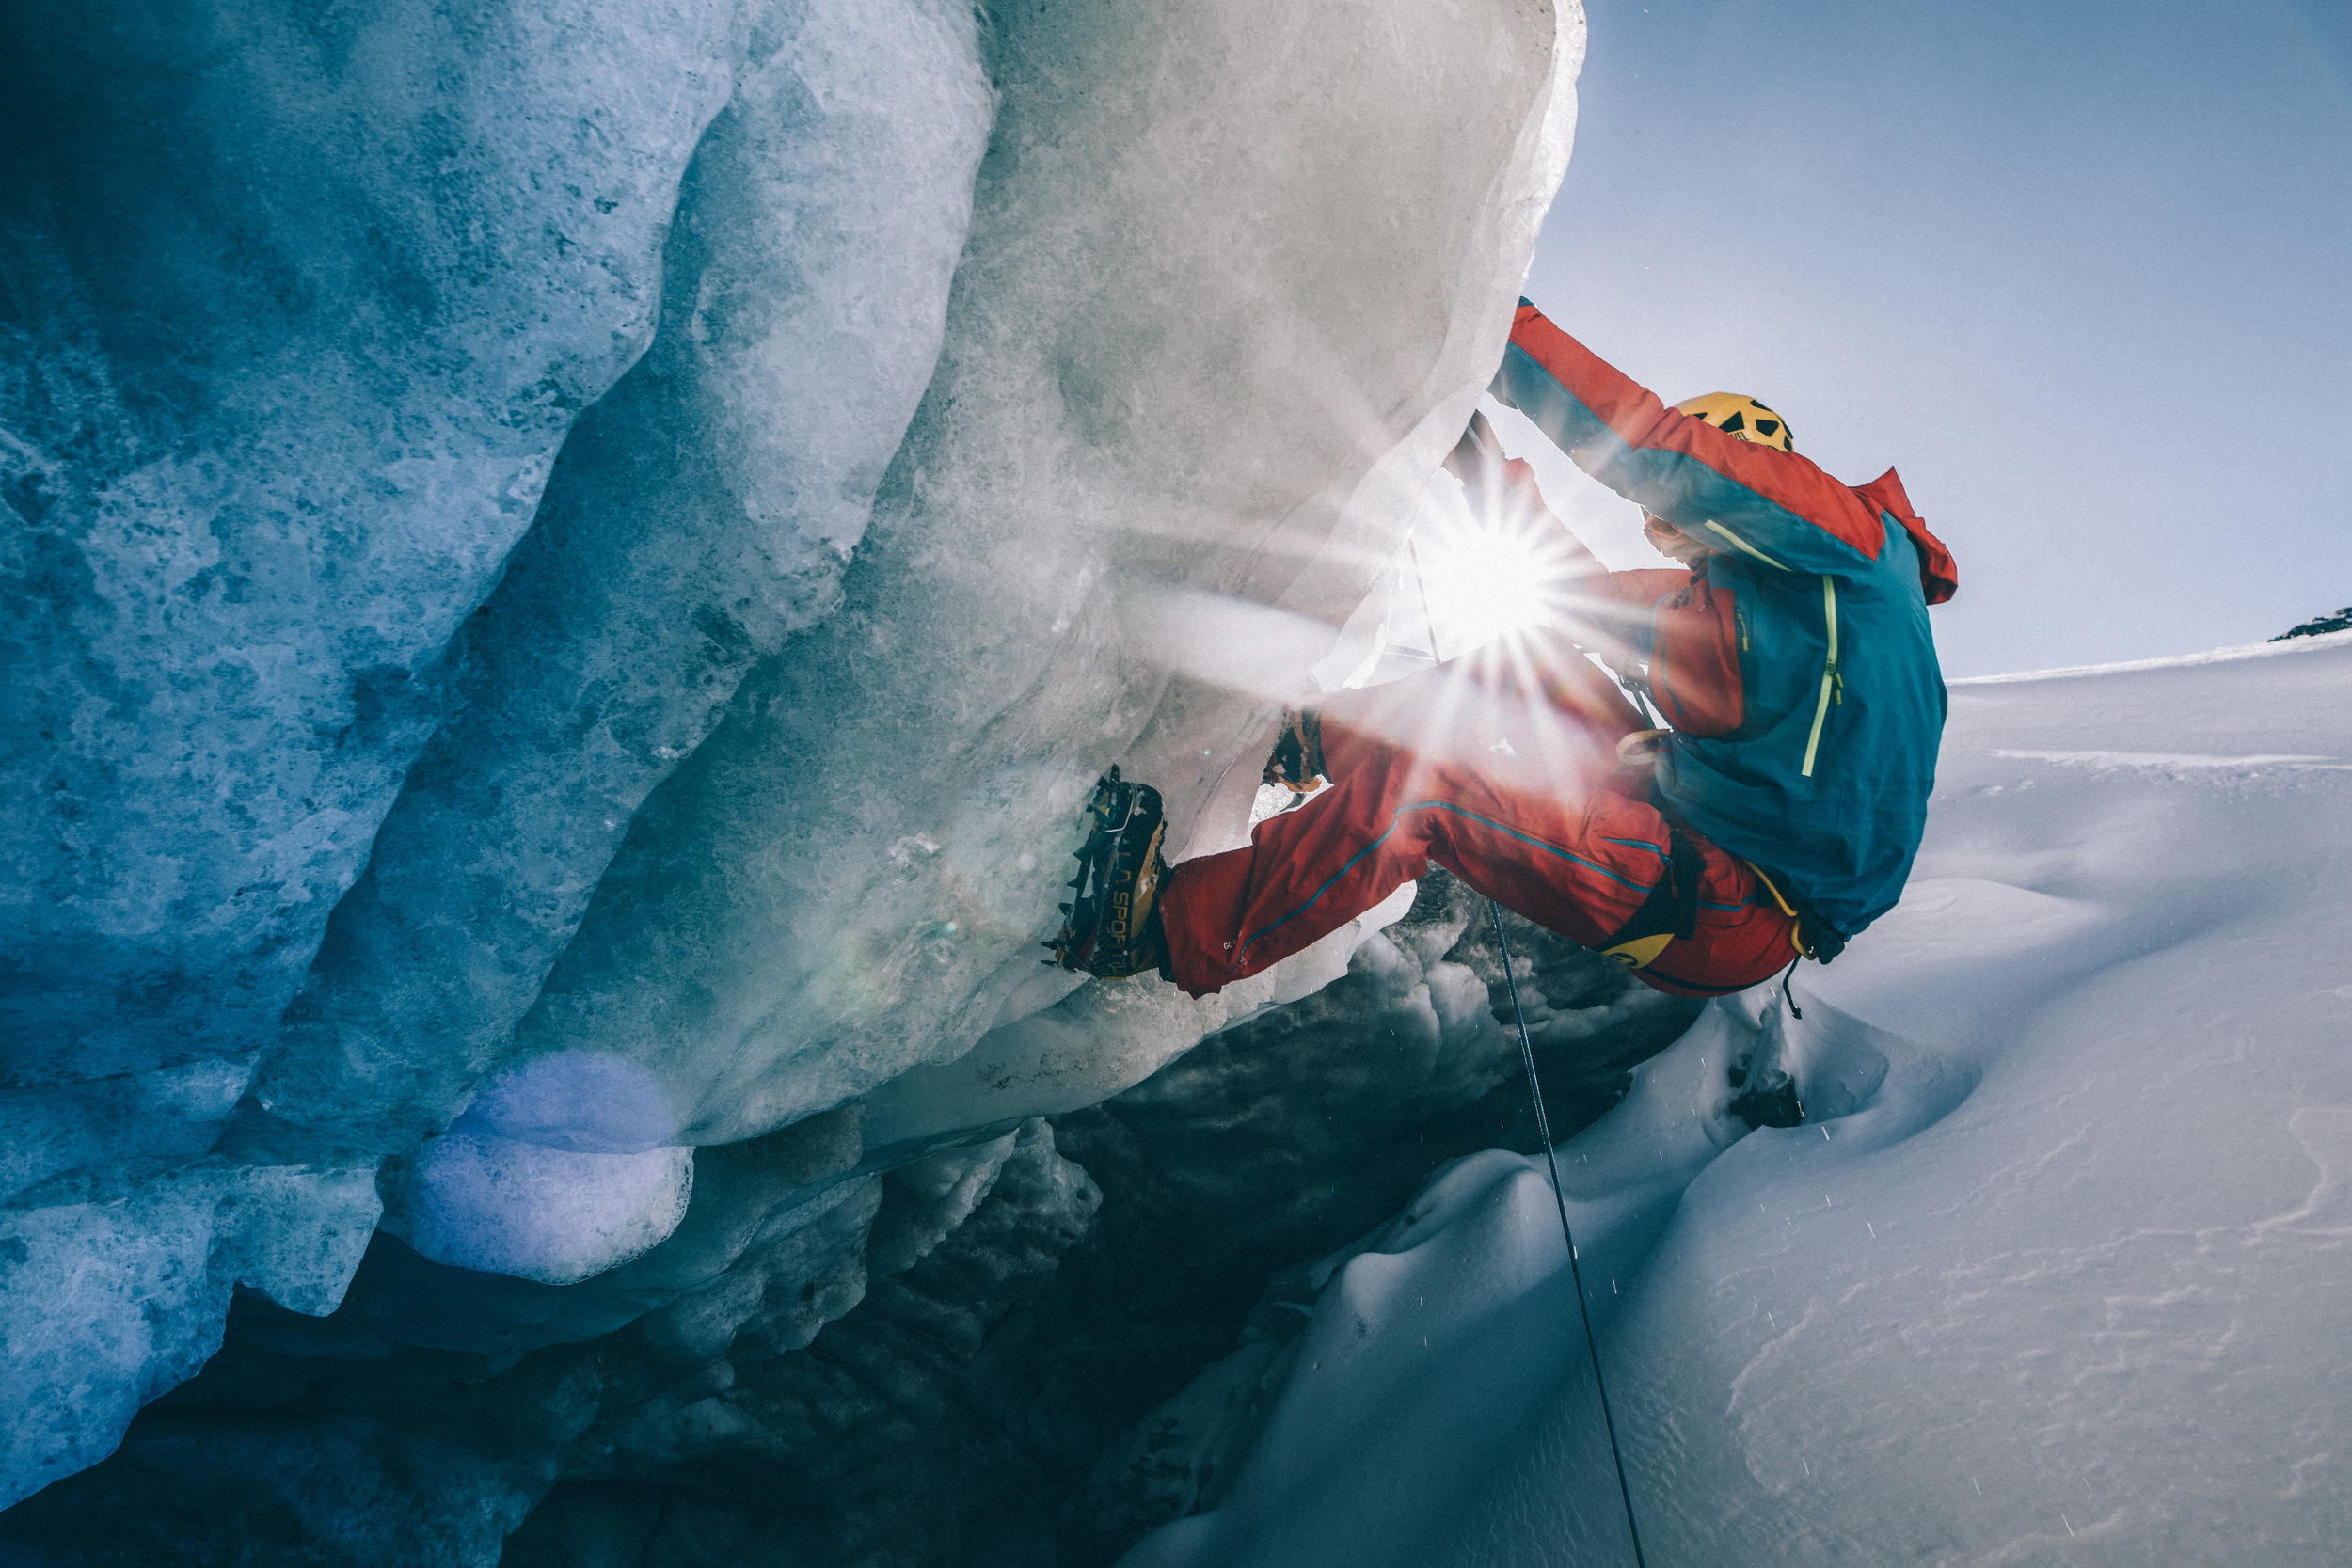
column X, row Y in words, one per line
column 1829, row 673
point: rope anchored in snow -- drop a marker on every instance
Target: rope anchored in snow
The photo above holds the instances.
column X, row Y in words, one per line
column 1559, row 1198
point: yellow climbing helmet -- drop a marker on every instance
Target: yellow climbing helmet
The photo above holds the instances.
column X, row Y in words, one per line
column 1737, row 414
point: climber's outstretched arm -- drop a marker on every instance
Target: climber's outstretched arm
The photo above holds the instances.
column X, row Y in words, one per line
column 1774, row 507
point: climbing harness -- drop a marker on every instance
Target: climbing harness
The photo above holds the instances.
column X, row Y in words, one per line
column 1629, row 675
column 1559, row 1198
column 1670, row 914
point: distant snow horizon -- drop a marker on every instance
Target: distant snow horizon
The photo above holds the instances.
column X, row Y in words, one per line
column 2283, row 643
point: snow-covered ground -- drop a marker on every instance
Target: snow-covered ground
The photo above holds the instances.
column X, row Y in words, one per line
column 2058, row 1272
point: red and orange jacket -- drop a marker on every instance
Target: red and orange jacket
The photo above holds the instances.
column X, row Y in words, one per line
column 1795, row 663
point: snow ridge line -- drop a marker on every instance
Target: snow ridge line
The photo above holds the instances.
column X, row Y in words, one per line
column 2217, row 655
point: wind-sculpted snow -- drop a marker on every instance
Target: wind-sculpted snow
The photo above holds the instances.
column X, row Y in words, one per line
column 742, row 757
column 2053, row 1274
column 1436, row 1339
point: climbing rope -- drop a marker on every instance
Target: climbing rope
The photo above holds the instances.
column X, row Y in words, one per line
column 1576, row 1275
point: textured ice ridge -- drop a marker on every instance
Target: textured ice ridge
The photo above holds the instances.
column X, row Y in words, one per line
column 375, row 752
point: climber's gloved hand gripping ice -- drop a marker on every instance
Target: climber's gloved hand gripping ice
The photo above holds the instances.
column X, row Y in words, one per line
column 1789, row 653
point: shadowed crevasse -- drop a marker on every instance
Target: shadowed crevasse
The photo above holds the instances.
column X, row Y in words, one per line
column 994, row 1319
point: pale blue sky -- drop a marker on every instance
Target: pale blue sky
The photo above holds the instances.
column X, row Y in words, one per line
column 2077, row 268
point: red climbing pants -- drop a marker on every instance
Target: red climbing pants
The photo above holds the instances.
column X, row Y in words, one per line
column 1503, row 769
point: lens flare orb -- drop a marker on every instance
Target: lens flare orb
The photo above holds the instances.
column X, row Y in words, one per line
column 1481, row 581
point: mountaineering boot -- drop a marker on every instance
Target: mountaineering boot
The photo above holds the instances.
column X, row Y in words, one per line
column 1296, row 760
column 1111, row 927
column 1764, row 1094
column 1770, row 1102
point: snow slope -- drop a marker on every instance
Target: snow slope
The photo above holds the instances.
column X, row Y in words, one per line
column 2061, row 1276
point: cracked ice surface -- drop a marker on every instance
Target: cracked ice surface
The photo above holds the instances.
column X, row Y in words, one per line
column 664, row 782
column 2059, row 1276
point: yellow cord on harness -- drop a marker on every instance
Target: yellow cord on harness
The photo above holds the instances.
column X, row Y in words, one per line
column 1786, row 907
column 1638, row 749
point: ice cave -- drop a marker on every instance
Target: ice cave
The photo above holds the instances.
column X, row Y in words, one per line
column 568, row 568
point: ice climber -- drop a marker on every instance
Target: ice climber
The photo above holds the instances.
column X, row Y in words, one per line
column 1775, row 817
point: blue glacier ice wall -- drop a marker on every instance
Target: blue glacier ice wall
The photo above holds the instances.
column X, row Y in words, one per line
column 412, row 697
column 300, row 307
column 698, row 517
column 301, row 310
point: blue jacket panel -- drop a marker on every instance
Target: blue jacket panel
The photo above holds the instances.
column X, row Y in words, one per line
column 1825, row 780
